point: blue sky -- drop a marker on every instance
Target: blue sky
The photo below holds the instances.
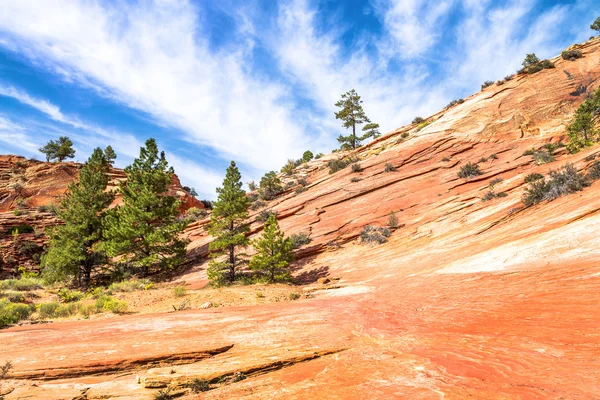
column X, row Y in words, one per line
column 253, row 80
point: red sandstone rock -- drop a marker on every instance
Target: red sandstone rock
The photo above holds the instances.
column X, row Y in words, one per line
column 468, row 299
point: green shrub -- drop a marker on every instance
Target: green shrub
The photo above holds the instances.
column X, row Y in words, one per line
column 455, row 102
column 270, row 186
column 534, row 176
column 11, row 313
column 21, row 284
column 264, row 215
column 486, row 84
column 195, row 213
column 299, row 239
column 500, row 82
column 48, row 208
column 482, row 160
column 529, row 152
column 404, row 135
column 300, row 189
column 389, row 168
column 494, row 182
column 594, row 171
column 319, row 155
column 258, row 204
column 423, row 125
column 492, row 195
column 87, row 309
column 179, row 291
column 542, row 157
column 337, row 165
column 374, row 235
column 356, row 167
column 14, row 297
column 469, row 170
column 68, row 296
column 545, row 64
column 47, row 310
column 130, row 286
column 508, row 78
column 561, row 182
column 199, row 385
column 110, row 304
column 66, row 310
column 418, row 120
column 582, row 130
column 164, row 394
column 571, row 55
column 289, row 167
column 294, row 296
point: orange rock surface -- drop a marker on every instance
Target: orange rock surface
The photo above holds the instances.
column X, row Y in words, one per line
column 467, row 299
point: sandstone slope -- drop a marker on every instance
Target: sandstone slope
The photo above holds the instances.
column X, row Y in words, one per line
column 468, row 299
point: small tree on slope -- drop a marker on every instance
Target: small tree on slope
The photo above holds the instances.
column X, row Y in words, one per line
column 145, row 230
column 352, row 114
column 75, row 248
column 274, row 253
column 229, row 227
column 58, row 150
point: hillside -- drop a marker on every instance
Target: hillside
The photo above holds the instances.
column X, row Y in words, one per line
column 467, row 299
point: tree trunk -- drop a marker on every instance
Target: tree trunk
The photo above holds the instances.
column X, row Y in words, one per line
column 354, row 136
column 231, row 263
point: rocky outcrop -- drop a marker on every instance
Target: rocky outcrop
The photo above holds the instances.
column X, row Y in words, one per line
column 28, row 189
column 466, row 299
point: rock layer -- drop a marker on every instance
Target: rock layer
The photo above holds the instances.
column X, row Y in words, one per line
column 467, row 299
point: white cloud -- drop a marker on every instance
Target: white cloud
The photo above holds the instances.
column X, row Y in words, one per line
column 147, row 55
column 13, row 136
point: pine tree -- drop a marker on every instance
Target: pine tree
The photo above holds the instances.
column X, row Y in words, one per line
column 58, row 150
column 229, row 228
column 145, row 230
column 274, row 253
column 596, row 25
column 110, row 155
column 75, row 248
column 352, row 114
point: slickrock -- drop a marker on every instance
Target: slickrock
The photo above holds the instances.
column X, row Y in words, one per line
column 467, row 299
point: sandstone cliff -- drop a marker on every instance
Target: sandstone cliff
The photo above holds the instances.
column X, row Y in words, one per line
column 467, row 299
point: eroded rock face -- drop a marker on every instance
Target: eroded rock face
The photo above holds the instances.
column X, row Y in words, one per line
column 467, row 299
column 25, row 185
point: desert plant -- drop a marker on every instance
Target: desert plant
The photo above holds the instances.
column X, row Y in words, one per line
column 21, row 284
column 68, row 296
column 561, row 182
column 482, row 160
column 47, row 310
column 164, row 394
column 270, row 186
column 492, row 195
column 337, row 165
column 455, row 102
column 389, row 168
column 258, row 204
column 352, row 114
column 534, row 176
column 493, row 156
column 289, row 166
column 299, row 239
column 393, row 220
column 571, row 55
column 372, row 235
column 11, row 313
column 179, row 291
column 294, row 296
column 19, row 229
column 110, row 304
column 195, row 213
column 445, row 159
column 596, row 25
column 356, row 167
column 494, row 182
column 355, row 179
column 130, row 286
column 542, row 157
column 418, row 120
column 264, row 215
column 5, row 369
column 319, row 155
column 300, row 189
column 404, row 135
column 469, row 170
column 500, row 82
column 252, row 186
column 199, row 385
column 594, row 171
column 486, row 84
column 48, row 208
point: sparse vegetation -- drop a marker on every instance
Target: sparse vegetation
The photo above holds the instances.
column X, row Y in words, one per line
column 5, row 369
column 393, row 220
column 482, row 160
column 492, row 195
column 534, row 176
column 307, row 156
column 299, row 239
column 372, row 235
column 455, row 102
column 195, row 214
column 595, row 26
column 486, row 84
column 264, row 215
column 110, row 304
column 493, row 156
column 356, row 167
column 571, row 55
column 445, row 159
column 469, row 170
column 337, row 165
column 418, row 120
column 179, row 291
column 199, row 385
column 389, row 168
column 355, row 179
column 594, row 171
column 294, row 296
column 494, row 182
column 130, row 286
column 69, row 296
column 12, row 313
column 561, row 182
column 48, row 208
column 164, row 394
column 542, row 157
column 21, row 284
